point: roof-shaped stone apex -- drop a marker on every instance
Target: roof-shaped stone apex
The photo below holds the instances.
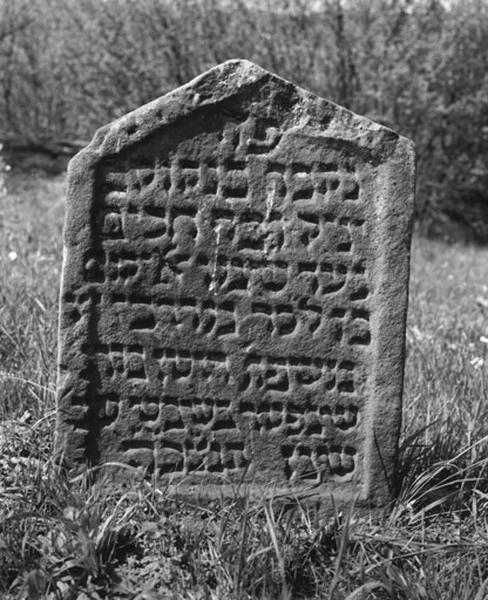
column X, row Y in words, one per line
column 234, row 72
column 219, row 88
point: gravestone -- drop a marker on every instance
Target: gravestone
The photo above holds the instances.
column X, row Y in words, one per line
column 234, row 292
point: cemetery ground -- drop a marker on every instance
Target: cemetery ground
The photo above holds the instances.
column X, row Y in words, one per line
column 69, row 538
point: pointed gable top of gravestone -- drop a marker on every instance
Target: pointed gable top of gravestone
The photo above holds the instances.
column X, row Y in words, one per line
column 218, row 86
column 234, row 291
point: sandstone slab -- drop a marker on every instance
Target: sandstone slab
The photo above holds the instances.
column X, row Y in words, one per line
column 234, row 291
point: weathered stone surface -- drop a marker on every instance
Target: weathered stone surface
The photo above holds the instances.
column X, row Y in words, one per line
column 235, row 288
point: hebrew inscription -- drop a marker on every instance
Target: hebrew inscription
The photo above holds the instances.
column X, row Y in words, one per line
column 219, row 318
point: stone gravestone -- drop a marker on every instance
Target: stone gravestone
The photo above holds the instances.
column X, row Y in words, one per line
column 234, row 291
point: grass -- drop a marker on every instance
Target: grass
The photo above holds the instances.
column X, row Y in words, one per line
column 62, row 539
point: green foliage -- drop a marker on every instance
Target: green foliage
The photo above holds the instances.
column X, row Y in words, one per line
column 63, row 537
column 30, row 269
column 420, row 66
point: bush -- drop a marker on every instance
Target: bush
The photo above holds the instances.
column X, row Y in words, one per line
column 70, row 66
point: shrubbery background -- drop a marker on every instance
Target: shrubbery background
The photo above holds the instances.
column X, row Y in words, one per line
column 420, row 66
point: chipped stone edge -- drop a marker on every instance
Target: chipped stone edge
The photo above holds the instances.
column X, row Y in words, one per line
column 395, row 202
